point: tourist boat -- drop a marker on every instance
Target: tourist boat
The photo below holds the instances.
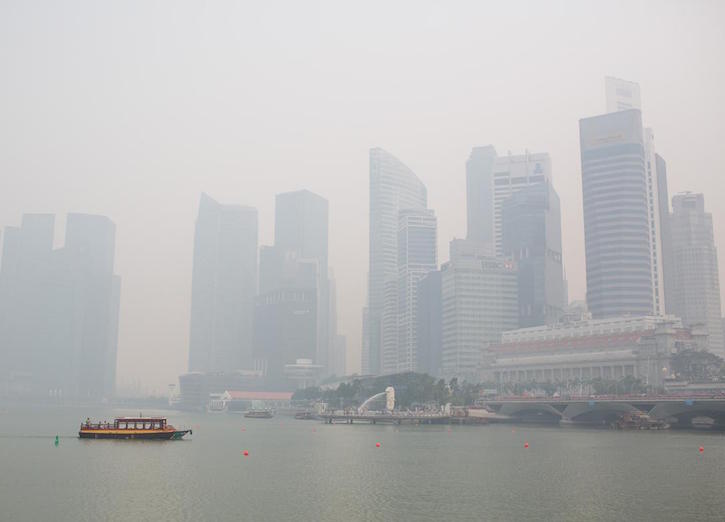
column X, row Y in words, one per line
column 259, row 414
column 151, row 428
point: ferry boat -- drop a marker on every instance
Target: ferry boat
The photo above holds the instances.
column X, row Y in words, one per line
column 146, row 428
column 259, row 414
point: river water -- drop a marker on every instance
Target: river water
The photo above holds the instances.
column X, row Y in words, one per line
column 305, row 470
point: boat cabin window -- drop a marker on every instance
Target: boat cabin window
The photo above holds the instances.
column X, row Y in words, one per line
column 157, row 425
column 147, row 426
column 121, row 425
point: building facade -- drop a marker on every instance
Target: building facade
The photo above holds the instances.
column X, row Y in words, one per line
column 479, row 301
column 301, row 225
column 616, row 222
column 696, row 279
column 581, row 351
column 531, row 236
column 429, row 325
column 491, row 180
column 393, row 187
column 59, row 309
column 417, row 255
column 223, row 287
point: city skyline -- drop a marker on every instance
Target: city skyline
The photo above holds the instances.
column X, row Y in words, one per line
column 146, row 173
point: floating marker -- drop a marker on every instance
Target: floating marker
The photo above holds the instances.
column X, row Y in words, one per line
column 245, row 453
column 526, row 444
column 702, row 449
column 244, row 429
column 56, row 440
column 377, row 444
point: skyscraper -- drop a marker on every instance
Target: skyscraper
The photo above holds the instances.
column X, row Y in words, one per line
column 417, row 255
column 479, row 301
column 531, row 223
column 696, row 281
column 616, row 221
column 624, row 95
column 479, row 194
column 621, row 95
column 59, row 309
column 491, row 180
column 301, row 230
column 428, row 319
column 393, row 187
column 223, row 288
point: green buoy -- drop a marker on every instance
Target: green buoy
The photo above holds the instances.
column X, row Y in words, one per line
column 56, row 440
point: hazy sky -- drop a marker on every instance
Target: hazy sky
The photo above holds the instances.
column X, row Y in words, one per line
column 132, row 109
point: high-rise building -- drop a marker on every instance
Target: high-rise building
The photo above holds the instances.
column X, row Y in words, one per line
column 223, row 288
column 429, row 326
column 531, row 223
column 285, row 330
column 417, row 255
column 301, row 230
column 59, row 309
column 491, row 180
column 623, row 95
column 479, row 301
column 479, row 194
column 616, row 221
column 696, row 289
column 393, row 187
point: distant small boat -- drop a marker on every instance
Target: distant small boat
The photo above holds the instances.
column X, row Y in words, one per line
column 145, row 428
column 306, row 415
column 259, row 414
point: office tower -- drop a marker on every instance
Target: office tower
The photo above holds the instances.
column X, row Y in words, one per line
column 285, row 330
column 417, row 255
column 428, row 320
column 621, row 95
column 531, row 226
column 616, row 222
column 696, row 290
column 491, row 180
column 479, row 194
column 624, row 95
column 59, row 309
column 301, row 231
column 663, row 203
column 223, row 289
column 479, row 300
column 393, row 187
column 89, row 253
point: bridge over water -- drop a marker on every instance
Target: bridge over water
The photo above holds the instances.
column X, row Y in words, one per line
column 597, row 411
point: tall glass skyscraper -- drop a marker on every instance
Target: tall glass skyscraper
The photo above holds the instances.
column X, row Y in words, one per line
column 616, row 222
column 393, row 187
column 417, row 255
column 223, row 287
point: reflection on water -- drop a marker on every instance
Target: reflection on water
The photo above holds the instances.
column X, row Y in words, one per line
column 302, row 470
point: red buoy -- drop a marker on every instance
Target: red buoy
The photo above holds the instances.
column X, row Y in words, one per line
column 526, row 444
column 702, row 449
column 245, row 453
column 377, row 444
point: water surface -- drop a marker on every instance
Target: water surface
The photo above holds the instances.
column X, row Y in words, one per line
column 305, row 470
